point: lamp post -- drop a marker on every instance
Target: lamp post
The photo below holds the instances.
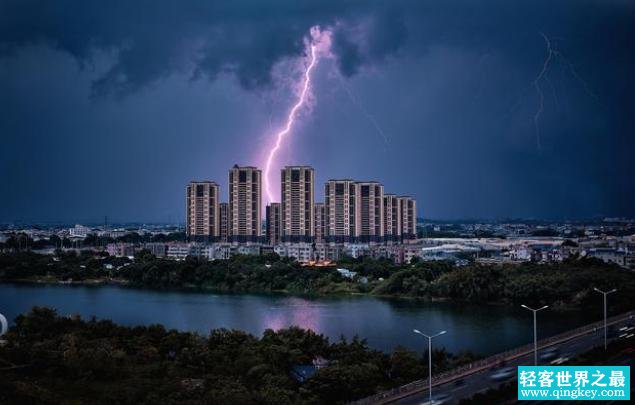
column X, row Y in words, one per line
column 535, row 333
column 429, row 358
column 605, row 293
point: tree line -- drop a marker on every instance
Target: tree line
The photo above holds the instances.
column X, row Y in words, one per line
column 53, row 359
column 566, row 285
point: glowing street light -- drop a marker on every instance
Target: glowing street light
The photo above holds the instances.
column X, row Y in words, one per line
column 535, row 333
column 429, row 358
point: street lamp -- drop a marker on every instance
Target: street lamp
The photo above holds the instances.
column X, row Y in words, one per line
column 535, row 334
column 429, row 358
column 605, row 293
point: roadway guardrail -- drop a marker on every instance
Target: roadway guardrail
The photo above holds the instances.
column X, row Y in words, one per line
column 414, row 387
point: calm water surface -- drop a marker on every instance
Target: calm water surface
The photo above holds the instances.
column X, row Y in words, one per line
column 386, row 323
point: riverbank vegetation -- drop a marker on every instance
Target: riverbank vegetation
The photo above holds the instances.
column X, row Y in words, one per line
column 565, row 285
column 52, row 359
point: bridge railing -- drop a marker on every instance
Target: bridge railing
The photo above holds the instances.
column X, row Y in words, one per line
column 459, row 372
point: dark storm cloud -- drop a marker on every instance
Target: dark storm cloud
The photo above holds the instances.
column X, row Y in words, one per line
column 152, row 39
column 369, row 41
column 460, row 94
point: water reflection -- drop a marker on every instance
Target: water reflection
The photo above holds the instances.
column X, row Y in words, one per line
column 385, row 323
column 294, row 311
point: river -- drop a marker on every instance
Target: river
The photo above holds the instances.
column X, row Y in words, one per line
column 385, row 323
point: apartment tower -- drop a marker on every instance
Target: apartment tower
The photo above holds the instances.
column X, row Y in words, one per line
column 202, row 211
column 223, row 212
column 342, row 219
column 273, row 223
column 319, row 224
column 371, row 212
column 245, row 201
column 408, row 217
column 392, row 218
column 297, row 192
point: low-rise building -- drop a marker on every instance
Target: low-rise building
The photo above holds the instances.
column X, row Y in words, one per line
column 347, row 273
column 328, row 251
column 121, row 249
column 608, row 255
column 248, row 250
column 79, row 231
column 302, row 252
column 356, row 250
column 178, row 251
column 157, row 249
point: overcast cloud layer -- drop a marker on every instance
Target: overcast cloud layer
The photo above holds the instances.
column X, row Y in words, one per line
column 111, row 107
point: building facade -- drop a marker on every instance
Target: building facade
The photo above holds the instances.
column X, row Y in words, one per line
column 202, row 217
column 408, row 217
column 392, row 218
column 319, row 224
column 340, row 206
column 273, row 223
column 245, row 202
column 370, row 203
column 297, row 193
column 223, row 213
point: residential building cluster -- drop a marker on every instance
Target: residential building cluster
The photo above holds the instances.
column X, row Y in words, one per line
column 619, row 250
column 287, row 232
column 461, row 251
column 352, row 211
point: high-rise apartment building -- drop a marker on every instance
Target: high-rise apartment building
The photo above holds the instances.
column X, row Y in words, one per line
column 273, row 223
column 370, row 203
column 319, row 213
column 223, row 213
column 202, row 217
column 297, row 193
column 340, row 201
column 353, row 211
column 392, row 218
column 408, row 217
column 245, row 201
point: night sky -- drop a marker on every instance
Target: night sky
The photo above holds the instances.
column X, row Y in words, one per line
column 111, row 107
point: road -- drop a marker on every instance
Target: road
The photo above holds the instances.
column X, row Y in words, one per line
column 452, row 392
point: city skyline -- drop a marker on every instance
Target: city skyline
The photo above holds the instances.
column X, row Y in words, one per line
column 350, row 211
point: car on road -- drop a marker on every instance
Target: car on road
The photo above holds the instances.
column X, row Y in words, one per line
column 549, row 353
column 504, row 373
column 627, row 331
column 563, row 358
column 438, row 399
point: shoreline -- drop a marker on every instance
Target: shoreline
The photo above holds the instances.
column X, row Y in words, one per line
column 88, row 282
column 206, row 289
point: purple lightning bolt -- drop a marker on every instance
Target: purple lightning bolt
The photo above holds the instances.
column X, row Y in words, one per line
column 318, row 45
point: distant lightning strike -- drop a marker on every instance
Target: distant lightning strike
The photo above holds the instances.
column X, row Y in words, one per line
column 371, row 118
column 541, row 95
column 553, row 54
column 290, row 121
